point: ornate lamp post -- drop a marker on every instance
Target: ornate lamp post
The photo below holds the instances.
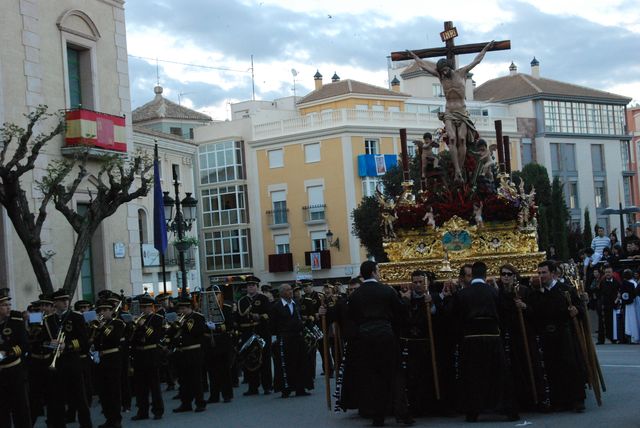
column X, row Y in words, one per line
column 185, row 215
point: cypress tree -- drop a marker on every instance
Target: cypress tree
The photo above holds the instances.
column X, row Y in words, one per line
column 587, row 234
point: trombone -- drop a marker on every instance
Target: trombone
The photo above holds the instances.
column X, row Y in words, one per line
column 58, row 351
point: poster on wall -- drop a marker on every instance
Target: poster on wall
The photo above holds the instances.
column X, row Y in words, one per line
column 315, row 261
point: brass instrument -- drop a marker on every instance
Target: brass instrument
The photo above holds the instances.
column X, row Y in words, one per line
column 58, row 351
column 211, row 308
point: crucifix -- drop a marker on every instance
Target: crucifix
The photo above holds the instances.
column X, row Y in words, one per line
column 459, row 128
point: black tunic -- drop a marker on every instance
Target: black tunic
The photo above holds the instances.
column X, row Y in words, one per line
column 376, row 309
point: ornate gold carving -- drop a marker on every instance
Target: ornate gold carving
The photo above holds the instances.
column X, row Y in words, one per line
column 495, row 244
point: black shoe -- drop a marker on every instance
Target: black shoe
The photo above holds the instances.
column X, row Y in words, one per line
column 408, row 421
column 302, row 394
column 285, row 394
column 139, row 417
column 157, row 417
column 200, row 409
column 578, row 407
column 378, row 422
column 471, row 417
column 250, row 392
column 600, row 342
column 182, row 409
column 267, row 392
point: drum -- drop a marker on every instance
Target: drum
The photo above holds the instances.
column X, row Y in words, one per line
column 250, row 354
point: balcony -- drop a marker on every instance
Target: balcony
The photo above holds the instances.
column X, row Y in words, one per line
column 278, row 219
column 281, row 262
column 370, row 118
column 323, row 263
column 102, row 133
column 314, row 214
column 151, row 256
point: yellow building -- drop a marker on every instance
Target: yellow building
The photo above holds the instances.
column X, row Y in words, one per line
column 301, row 174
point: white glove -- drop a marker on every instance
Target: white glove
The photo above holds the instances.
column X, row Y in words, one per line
column 211, row 325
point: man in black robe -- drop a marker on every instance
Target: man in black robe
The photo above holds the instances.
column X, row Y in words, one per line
column 486, row 381
column 607, row 293
column 376, row 309
column 553, row 314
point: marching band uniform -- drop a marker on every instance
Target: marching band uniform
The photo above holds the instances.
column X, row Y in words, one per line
column 107, row 346
column 147, row 332
column 82, row 306
column 189, row 340
column 309, row 306
column 14, row 400
column 254, row 318
column 218, row 354
column 38, row 365
column 67, row 383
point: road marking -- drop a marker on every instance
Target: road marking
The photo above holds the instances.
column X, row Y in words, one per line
column 621, row 365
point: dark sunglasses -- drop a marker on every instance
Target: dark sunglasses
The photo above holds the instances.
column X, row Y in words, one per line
column 506, row 273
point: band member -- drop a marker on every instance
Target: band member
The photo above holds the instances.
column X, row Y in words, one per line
column 253, row 311
column 66, row 333
column 107, row 348
column 167, row 372
column 219, row 353
column 375, row 308
column 147, row 332
column 39, row 360
column 607, row 292
column 188, row 346
column 309, row 306
column 14, row 400
column 82, row 306
column 287, row 323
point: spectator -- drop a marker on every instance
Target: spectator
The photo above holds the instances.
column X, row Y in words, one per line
column 599, row 243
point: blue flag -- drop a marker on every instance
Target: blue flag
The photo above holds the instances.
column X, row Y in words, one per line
column 159, row 222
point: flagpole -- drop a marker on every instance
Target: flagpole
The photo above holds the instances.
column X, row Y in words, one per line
column 164, row 273
column 159, row 221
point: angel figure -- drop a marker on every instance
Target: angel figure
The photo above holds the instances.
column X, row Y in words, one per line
column 389, row 214
column 527, row 202
column 429, row 217
column 477, row 213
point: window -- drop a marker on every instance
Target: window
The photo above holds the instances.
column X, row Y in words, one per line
column 597, row 158
column 220, row 162
column 279, row 201
column 175, row 131
column 371, row 146
column 312, row 153
column 369, row 186
column 573, row 195
column 316, row 203
column 175, row 172
column 227, row 249
column 318, row 241
column 282, row 244
column 276, row 158
column 436, row 89
column 628, row 194
column 79, row 77
column 583, row 118
column 142, row 226
column 563, row 157
column 625, row 153
column 362, row 107
column 191, row 133
column 600, row 191
column 224, row 206
column 527, row 151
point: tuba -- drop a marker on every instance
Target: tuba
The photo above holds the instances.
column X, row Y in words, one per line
column 250, row 355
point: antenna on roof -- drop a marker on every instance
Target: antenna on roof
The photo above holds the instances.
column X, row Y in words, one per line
column 294, row 73
column 157, row 73
column 253, row 83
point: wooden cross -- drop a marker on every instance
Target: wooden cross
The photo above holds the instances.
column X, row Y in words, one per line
column 450, row 50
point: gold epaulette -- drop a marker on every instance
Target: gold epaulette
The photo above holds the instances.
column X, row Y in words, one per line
column 17, row 319
column 79, row 313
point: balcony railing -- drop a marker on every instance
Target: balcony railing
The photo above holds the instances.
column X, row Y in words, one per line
column 151, row 256
column 371, row 118
column 278, row 218
column 97, row 131
column 314, row 214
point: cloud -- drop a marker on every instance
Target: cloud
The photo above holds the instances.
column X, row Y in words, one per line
column 571, row 45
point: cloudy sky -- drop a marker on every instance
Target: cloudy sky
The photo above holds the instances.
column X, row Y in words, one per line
column 586, row 42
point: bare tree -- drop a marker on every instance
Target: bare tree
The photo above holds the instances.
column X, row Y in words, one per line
column 117, row 182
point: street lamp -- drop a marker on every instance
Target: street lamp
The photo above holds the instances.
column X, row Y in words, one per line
column 185, row 215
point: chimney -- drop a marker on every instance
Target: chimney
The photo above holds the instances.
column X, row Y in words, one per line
column 317, row 80
column 513, row 69
column 395, row 84
column 335, row 78
column 535, row 68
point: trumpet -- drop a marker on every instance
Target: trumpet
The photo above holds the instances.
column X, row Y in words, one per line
column 58, row 351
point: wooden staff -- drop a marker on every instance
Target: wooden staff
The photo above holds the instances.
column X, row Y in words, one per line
column 590, row 346
column 325, row 347
column 585, row 355
column 337, row 346
column 525, row 341
column 434, row 364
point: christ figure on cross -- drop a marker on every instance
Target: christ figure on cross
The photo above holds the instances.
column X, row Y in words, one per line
column 459, row 127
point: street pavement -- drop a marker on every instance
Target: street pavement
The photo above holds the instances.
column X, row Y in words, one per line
column 620, row 408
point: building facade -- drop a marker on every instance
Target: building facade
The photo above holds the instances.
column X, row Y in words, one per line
column 579, row 134
column 68, row 55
